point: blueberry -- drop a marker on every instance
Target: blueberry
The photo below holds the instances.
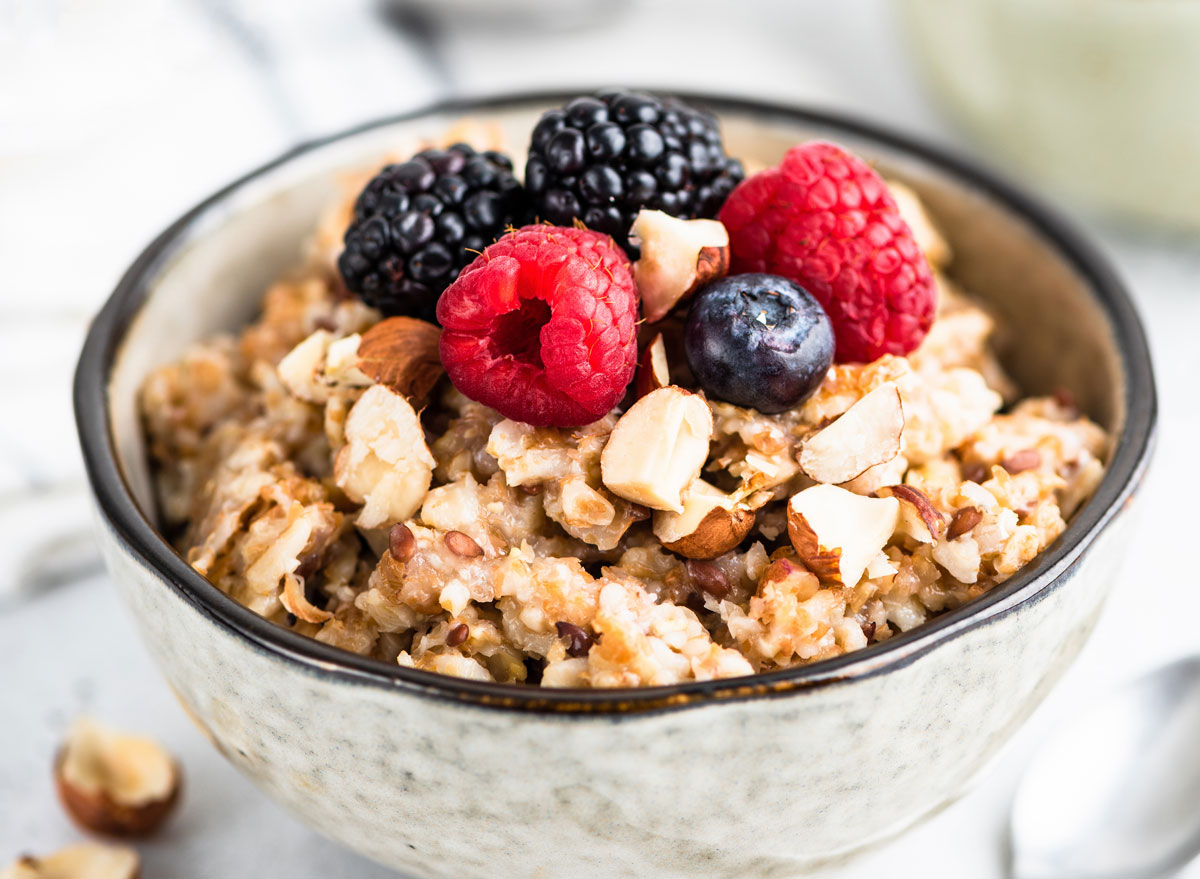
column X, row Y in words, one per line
column 759, row 341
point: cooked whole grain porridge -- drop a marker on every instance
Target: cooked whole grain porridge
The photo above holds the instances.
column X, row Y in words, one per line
column 468, row 499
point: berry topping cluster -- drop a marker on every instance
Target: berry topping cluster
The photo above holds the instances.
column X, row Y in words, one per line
column 540, row 322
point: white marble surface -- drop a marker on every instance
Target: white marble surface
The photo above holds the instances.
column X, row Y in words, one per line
column 117, row 117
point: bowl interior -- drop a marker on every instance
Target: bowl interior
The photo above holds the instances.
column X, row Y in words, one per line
column 1065, row 323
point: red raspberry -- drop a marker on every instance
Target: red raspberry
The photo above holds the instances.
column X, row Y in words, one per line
column 542, row 326
column 827, row 221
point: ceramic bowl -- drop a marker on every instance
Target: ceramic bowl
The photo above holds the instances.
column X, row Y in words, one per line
column 770, row 775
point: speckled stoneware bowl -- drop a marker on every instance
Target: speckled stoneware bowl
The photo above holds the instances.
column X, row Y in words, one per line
column 764, row 776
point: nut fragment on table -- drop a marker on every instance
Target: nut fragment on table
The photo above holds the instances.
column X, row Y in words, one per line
column 115, row 783
column 88, row 860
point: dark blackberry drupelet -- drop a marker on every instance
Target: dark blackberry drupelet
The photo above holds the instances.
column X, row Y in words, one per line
column 416, row 224
column 602, row 159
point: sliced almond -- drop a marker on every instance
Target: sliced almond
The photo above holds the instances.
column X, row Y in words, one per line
column 837, row 533
column 657, row 448
column 678, row 257
column 402, row 353
column 114, row 783
column 711, row 524
column 865, row 435
column 653, row 372
column 87, row 860
column 919, row 519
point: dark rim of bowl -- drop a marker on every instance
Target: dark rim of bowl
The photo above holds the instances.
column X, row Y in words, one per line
column 131, row 527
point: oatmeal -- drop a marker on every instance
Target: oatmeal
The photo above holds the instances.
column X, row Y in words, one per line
column 811, row 449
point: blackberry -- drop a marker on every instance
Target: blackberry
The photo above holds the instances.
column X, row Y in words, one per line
column 416, row 224
column 602, row 159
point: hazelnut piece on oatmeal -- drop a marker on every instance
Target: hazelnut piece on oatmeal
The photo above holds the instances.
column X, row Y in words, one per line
column 321, row 364
column 712, row 523
column 385, row 464
column 678, row 257
column 918, row 517
column 865, row 435
column 837, row 533
column 114, row 783
column 402, row 354
column 657, row 448
column 653, row 372
column 88, row 860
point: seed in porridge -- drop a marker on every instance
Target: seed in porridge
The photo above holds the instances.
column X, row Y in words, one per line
column 799, row 581
column 711, row 524
column 759, row 341
column 462, row 544
column 402, row 353
column 401, row 543
column 1026, row 459
column 458, row 635
column 309, row 562
column 964, row 520
column 975, row 472
column 709, row 577
column 579, row 640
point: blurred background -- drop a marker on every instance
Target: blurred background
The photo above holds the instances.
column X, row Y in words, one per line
column 115, row 117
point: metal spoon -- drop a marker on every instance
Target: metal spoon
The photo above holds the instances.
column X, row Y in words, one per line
column 1115, row 793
